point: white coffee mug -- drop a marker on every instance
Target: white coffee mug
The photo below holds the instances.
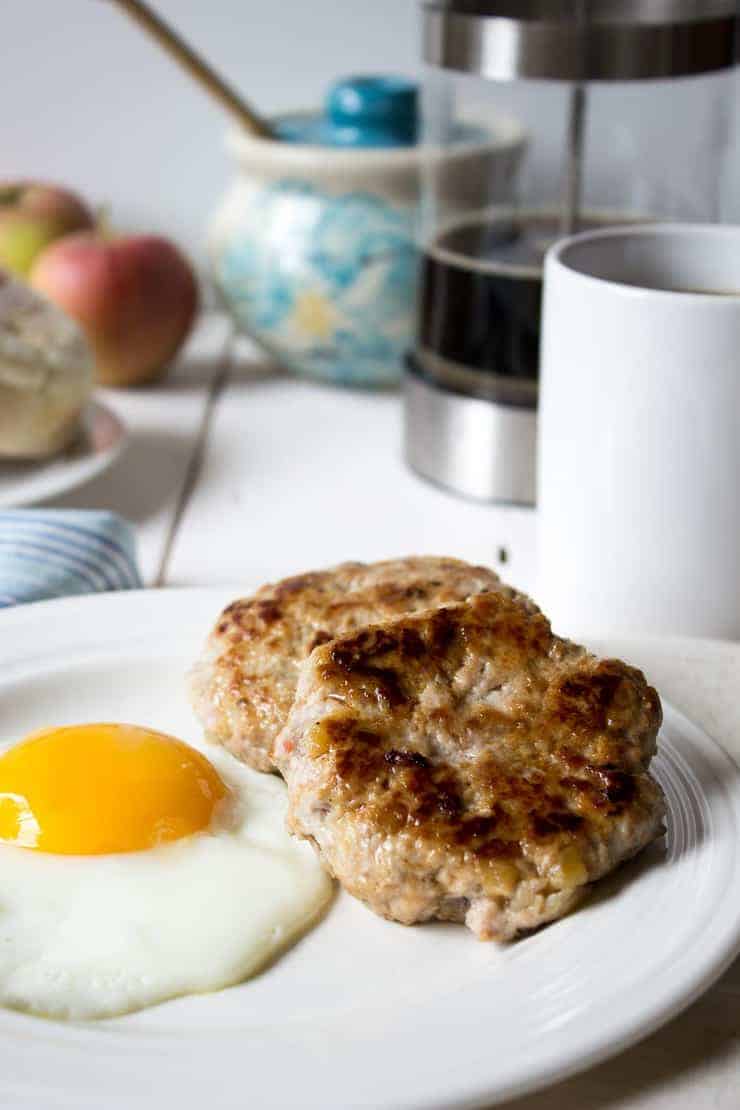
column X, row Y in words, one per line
column 639, row 432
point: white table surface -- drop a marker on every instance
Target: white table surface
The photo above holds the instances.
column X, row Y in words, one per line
column 237, row 474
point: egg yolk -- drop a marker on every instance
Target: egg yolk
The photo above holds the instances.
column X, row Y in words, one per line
column 93, row 789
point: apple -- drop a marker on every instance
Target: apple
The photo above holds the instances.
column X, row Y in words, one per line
column 32, row 215
column 134, row 295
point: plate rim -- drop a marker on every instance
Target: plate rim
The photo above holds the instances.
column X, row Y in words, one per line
column 70, row 475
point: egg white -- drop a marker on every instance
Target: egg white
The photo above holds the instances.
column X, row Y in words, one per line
column 86, row 937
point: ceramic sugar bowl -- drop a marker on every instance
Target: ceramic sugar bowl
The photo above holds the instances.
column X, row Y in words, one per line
column 313, row 247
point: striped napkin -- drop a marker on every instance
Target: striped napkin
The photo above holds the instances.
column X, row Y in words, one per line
column 54, row 552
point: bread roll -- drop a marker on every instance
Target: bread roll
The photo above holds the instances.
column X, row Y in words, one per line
column 46, row 374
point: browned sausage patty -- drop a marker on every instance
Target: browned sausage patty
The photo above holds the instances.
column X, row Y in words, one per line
column 466, row 764
column 243, row 686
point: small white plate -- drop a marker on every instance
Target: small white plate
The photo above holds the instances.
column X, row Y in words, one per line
column 102, row 438
column 363, row 1012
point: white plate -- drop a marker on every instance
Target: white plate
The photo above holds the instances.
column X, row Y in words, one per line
column 101, row 441
column 362, row 1012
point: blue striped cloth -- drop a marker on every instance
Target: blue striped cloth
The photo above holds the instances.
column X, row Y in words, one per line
column 54, row 552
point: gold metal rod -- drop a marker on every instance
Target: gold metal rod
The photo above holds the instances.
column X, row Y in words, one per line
column 196, row 66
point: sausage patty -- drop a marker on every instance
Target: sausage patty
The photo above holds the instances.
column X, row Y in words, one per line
column 244, row 684
column 466, row 764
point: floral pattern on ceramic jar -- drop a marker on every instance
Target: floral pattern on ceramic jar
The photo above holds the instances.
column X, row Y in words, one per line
column 325, row 281
column 313, row 249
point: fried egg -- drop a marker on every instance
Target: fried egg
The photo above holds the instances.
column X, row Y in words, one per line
column 134, row 868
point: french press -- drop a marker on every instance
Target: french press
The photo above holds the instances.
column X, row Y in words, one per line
column 627, row 109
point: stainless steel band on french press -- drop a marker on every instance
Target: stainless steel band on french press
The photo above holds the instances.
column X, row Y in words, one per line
column 480, row 449
column 616, row 40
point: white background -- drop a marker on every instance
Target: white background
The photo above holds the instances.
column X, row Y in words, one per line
column 89, row 101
